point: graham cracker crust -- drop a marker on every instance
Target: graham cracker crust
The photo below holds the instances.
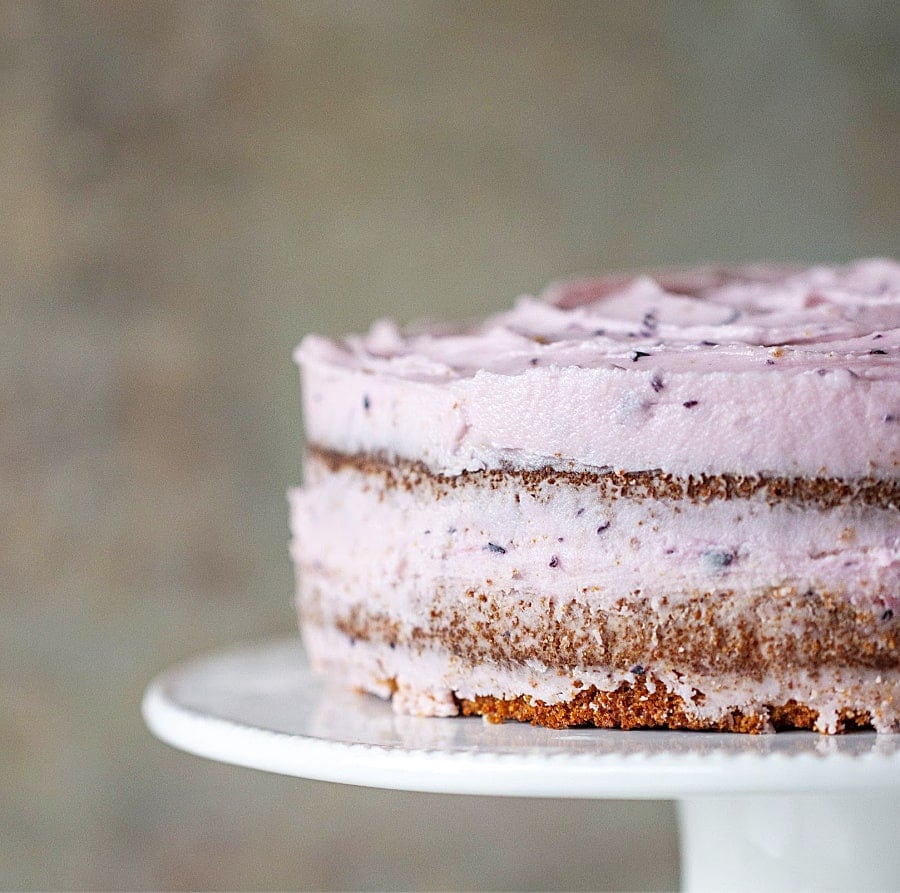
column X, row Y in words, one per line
column 636, row 706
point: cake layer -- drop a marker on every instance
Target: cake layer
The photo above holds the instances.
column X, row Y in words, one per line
column 742, row 371
column 391, row 535
column 719, row 632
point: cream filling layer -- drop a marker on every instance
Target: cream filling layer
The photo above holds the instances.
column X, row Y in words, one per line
column 392, row 546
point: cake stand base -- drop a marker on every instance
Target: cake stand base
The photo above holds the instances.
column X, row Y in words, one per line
column 796, row 842
column 775, row 812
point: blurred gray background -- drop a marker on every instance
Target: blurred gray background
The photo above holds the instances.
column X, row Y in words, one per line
column 188, row 188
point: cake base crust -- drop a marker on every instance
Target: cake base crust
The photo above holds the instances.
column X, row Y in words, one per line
column 639, row 706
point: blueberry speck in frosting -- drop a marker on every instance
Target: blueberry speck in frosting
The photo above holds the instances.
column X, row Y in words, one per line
column 890, row 417
column 637, row 354
column 493, row 547
column 638, row 670
column 599, row 332
column 877, row 335
column 717, row 559
column 649, row 323
column 533, row 361
column 690, row 404
column 656, row 383
column 888, row 614
column 603, row 526
column 770, row 362
column 878, row 352
column 579, row 513
column 710, row 343
column 367, row 403
column 554, row 561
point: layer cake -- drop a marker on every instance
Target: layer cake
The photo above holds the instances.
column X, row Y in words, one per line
column 637, row 501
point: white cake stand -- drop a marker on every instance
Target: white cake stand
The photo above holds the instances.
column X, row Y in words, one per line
column 788, row 811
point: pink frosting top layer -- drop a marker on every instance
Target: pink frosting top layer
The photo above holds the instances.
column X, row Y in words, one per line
column 742, row 370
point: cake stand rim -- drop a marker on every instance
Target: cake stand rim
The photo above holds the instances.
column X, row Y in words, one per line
column 512, row 771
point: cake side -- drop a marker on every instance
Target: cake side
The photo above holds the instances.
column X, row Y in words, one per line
column 518, row 592
column 634, row 503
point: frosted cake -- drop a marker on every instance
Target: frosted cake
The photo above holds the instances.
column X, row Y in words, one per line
column 639, row 501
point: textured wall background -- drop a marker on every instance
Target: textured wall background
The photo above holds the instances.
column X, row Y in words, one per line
column 186, row 189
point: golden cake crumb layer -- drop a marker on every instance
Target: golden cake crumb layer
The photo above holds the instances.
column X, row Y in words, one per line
column 819, row 492
column 703, row 635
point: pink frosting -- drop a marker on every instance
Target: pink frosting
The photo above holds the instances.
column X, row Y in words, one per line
column 741, row 370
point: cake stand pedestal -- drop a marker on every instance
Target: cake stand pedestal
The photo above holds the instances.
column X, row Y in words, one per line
column 789, row 811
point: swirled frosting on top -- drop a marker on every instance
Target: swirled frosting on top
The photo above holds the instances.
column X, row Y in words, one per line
column 739, row 370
